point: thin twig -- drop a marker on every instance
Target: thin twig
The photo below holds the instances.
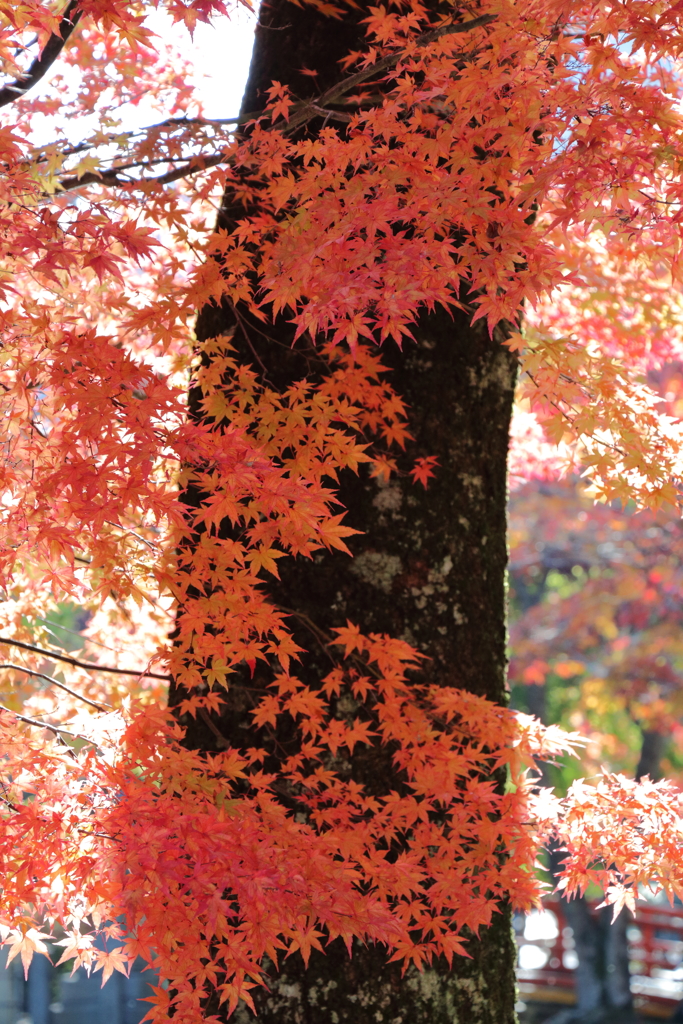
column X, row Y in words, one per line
column 56, row 729
column 567, row 417
column 112, row 179
column 91, row 665
column 245, row 332
column 309, row 109
column 300, row 114
column 65, row 629
column 324, row 639
column 131, row 533
column 169, row 122
column 55, row 682
column 206, row 719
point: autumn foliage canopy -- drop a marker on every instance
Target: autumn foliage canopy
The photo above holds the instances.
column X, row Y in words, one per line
column 496, row 157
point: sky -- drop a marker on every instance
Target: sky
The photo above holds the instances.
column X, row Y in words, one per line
column 221, row 53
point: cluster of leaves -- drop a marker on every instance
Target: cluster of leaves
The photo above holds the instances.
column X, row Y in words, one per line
column 263, row 462
column 602, row 847
column 193, row 862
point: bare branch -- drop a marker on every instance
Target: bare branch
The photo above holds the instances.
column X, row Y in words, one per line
column 55, row 682
column 300, row 114
column 90, row 665
column 308, row 110
column 113, row 178
column 131, row 533
column 137, row 133
column 56, row 729
column 52, row 49
column 206, row 719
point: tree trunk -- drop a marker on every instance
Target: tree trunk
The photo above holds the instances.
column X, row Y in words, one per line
column 602, row 980
column 651, row 754
column 429, row 567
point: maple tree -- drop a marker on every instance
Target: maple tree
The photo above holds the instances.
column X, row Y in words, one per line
column 336, row 766
column 595, row 647
column 595, row 596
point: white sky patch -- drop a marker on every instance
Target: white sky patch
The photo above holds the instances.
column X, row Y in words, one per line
column 220, row 54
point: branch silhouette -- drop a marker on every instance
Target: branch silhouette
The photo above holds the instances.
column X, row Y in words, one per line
column 42, row 64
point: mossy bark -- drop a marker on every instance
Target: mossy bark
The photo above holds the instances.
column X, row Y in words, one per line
column 429, row 567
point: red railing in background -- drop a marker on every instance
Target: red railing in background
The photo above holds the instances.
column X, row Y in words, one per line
column 547, row 958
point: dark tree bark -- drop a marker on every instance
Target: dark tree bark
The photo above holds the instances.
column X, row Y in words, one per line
column 651, row 754
column 601, row 980
column 429, row 567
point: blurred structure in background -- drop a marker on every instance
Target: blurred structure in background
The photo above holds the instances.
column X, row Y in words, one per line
column 51, row 995
column 548, row 960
